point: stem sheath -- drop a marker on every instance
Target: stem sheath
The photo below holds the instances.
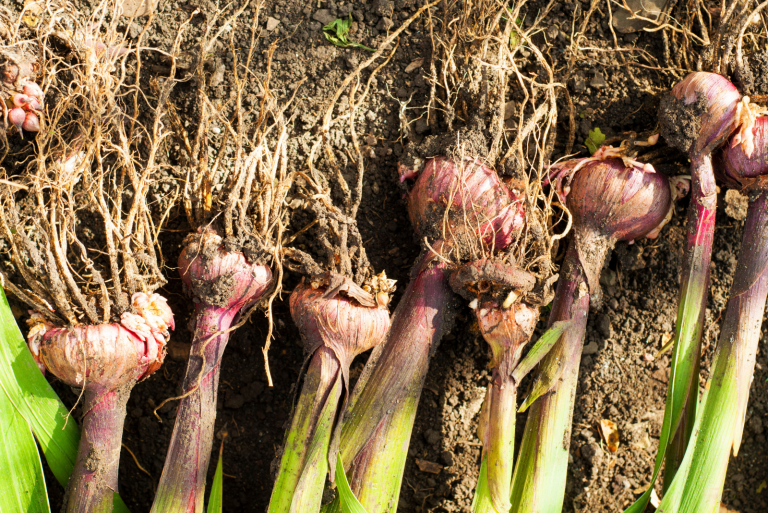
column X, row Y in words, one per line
column 377, row 429
column 182, row 484
column 304, row 464
column 500, row 441
column 682, row 396
column 538, row 484
column 93, row 482
column 698, row 486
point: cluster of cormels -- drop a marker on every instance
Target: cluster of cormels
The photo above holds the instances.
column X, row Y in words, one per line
column 23, row 98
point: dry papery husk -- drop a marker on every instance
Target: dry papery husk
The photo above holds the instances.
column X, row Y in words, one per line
column 79, row 230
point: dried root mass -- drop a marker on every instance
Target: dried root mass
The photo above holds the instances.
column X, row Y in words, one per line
column 77, row 222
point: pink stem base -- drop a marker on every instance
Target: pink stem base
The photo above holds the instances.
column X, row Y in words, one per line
column 182, row 484
column 93, row 482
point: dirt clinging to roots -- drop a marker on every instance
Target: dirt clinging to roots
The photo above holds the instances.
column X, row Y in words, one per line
column 680, row 124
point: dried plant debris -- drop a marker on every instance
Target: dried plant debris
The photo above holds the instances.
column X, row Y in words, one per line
column 77, row 225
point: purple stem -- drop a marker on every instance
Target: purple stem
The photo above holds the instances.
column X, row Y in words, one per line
column 538, row 484
column 182, row 485
column 724, row 409
column 386, row 407
column 93, row 482
column 691, row 310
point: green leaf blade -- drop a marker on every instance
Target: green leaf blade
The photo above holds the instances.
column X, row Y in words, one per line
column 337, row 32
column 594, row 140
column 23, row 487
column 35, row 400
column 217, row 488
column 347, row 499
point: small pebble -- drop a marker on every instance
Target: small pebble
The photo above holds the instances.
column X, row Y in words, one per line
column 272, row 23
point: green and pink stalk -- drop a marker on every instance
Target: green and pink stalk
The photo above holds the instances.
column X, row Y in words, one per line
column 698, row 485
column 106, row 361
column 698, row 115
column 337, row 320
column 497, row 293
column 609, row 202
column 377, row 429
column 453, row 206
column 222, row 283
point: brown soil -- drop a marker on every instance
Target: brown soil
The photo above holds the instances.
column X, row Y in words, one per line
column 610, row 90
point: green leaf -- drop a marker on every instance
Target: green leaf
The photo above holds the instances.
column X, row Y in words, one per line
column 595, row 139
column 23, row 487
column 217, row 491
column 548, row 375
column 35, row 401
column 540, row 349
column 337, row 31
column 683, row 371
column 349, row 503
column 514, row 35
column 482, row 502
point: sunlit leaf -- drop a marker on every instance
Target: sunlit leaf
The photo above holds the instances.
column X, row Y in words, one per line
column 348, row 501
column 337, row 33
column 23, row 485
column 217, row 488
column 594, row 140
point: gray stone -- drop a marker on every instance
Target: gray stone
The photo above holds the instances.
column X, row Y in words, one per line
column 351, row 60
column 608, row 278
column 578, row 84
column 252, row 391
column 383, row 7
column 650, row 9
column 137, row 7
column 590, row 348
column 324, row 16
column 592, row 453
column 736, row 204
column 598, row 81
column 234, row 402
column 510, row 109
column 272, row 23
column 385, row 24
column 604, row 325
column 135, row 30
column 421, row 126
column 432, row 437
